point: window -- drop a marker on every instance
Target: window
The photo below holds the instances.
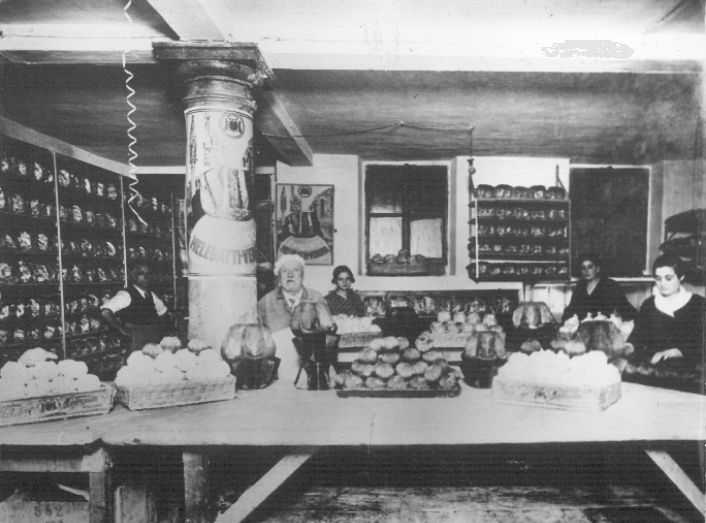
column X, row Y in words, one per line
column 407, row 208
column 609, row 218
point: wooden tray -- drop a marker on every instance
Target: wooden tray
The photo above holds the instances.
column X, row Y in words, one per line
column 47, row 408
column 174, row 394
column 382, row 393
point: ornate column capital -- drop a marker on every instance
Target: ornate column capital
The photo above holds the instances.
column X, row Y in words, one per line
column 210, row 58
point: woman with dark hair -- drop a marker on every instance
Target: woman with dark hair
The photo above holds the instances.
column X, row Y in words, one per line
column 670, row 323
column 343, row 299
column 597, row 294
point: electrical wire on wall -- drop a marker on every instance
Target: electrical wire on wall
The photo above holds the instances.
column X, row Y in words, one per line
column 132, row 154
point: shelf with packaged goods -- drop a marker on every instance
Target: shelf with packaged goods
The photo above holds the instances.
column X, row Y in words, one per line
column 519, row 240
column 27, row 218
column 522, row 201
column 518, row 221
column 523, row 240
column 74, row 203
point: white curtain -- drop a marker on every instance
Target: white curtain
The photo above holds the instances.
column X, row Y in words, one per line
column 426, row 237
column 385, row 236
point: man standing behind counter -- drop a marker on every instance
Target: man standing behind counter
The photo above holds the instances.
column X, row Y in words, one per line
column 136, row 311
column 275, row 308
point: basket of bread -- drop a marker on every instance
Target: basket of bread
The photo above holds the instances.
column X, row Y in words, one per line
column 37, row 388
column 166, row 375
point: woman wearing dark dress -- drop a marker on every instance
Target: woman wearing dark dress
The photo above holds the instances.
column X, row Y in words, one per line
column 597, row 294
column 343, row 299
column 670, row 323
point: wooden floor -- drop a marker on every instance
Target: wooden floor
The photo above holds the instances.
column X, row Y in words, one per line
column 545, row 485
column 471, row 505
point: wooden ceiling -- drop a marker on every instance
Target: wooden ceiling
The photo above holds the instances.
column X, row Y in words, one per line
column 338, row 93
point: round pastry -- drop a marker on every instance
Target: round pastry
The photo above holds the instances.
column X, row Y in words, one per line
column 368, row 356
column 18, row 334
column 384, row 370
column 503, row 191
column 390, row 357
column 420, row 367
column 485, row 191
column 374, row 383
column 538, row 192
column 24, row 241
column 530, row 345
column 22, row 168
column 363, row 369
column 556, row 193
column 449, row 381
column 431, row 356
column 435, row 371
column 18, row 203
column 404, row 370
column 112, row 192
column 519, row 192
column 397, row 383
column 419, row 383
column 424, row 342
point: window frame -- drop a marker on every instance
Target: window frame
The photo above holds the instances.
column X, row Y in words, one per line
column 448, row 225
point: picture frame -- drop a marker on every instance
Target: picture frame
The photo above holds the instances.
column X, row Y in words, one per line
column 304, row 221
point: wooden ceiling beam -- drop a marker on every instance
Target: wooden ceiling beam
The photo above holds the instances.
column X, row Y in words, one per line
column 190, row 20
column 276, row 126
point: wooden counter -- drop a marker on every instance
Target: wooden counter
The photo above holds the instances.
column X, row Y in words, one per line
column 284, row 416
column 301, row 421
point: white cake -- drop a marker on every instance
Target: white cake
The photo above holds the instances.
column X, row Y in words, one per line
column 549, row 379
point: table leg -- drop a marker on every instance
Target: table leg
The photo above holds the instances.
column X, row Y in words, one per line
column 99, row 499
column 261, row 490
column 195, row 476
column 674, row 472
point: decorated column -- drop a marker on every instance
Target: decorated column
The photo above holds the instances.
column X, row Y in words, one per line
column 219, row 109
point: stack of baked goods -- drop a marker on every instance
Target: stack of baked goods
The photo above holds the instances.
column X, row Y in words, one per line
column 392, row 364
column 534, row 327
column 595, row 333
column 453, row 331
column 549, row 379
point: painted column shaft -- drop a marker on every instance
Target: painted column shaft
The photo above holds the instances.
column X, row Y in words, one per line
column 221, row 233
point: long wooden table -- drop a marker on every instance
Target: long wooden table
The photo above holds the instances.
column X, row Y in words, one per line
column 302, row 421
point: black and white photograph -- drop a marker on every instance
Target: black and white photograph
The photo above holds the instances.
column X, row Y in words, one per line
column 336, row 261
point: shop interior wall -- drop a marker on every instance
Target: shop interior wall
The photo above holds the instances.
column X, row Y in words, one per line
column 677, row 184
column 344, row 171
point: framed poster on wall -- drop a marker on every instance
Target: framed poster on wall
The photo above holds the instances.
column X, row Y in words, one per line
column 304, row 221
